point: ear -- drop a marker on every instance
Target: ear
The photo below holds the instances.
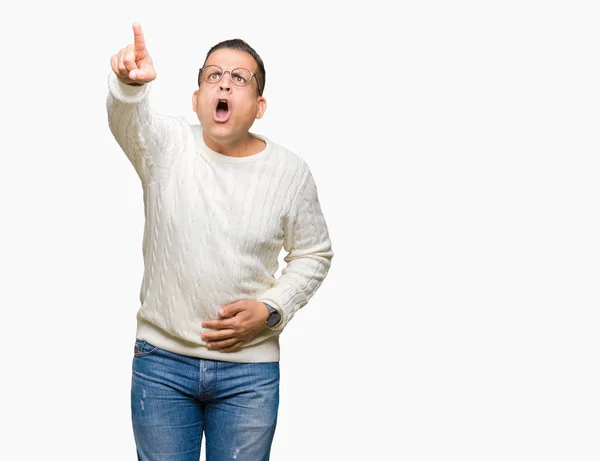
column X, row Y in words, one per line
column 195, row 100
column 261, row 107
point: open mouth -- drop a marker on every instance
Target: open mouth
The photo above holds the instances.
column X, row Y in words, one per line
column 222, row 111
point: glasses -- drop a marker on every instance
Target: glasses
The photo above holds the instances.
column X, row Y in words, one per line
column 238, row 76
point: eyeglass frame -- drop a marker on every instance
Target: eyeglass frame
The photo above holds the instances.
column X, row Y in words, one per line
column 227, row 69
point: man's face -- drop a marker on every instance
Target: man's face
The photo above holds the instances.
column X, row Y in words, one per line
column 231, row 123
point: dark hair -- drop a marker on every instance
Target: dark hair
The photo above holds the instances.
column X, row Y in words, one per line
column 241, row 45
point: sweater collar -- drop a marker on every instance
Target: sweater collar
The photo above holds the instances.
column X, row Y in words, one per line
column 213, row 155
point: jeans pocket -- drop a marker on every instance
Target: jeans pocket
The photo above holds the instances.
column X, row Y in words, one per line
column 143, row 348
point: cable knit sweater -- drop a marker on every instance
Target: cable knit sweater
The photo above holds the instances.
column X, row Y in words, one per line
column 214, row 228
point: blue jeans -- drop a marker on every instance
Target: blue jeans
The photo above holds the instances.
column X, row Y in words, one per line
column 174, row 398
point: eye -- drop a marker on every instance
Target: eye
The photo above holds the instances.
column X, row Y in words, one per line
column 239, row 78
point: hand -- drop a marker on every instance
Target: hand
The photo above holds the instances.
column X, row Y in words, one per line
column 132, row 64
column 240, row 322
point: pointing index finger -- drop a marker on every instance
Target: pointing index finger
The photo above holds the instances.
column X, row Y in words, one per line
column 139, row 43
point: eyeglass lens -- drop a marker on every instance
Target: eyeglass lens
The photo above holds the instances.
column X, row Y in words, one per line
column 239, row 77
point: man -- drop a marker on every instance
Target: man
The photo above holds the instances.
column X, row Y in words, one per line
column 220, row 203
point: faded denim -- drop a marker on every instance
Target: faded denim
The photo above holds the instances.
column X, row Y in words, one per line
column 176, row 398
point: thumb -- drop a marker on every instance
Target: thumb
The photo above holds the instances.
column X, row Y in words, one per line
column 136, row 74
column 229, row 310
column 143, row 75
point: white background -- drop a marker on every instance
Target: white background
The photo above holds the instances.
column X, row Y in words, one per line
column 455, row 150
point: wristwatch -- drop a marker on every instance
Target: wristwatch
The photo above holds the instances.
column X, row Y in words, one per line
column 274, row 316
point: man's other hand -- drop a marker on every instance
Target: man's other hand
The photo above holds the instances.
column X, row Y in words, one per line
column 239, row 323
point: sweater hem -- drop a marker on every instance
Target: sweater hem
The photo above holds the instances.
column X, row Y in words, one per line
column 266, row 351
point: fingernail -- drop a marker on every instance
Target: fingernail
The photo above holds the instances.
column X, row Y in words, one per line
column 209, row 345
column 221, row 312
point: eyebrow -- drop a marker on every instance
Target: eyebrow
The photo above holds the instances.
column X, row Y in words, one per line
column 235, row 67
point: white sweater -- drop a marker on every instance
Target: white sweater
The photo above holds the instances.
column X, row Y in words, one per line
column 214, row 228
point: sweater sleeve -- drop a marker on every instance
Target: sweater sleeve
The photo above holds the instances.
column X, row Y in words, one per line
column 151, row 141
column 306, row 239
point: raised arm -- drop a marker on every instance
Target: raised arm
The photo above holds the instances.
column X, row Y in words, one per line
column 309, row 255
column 150, row 140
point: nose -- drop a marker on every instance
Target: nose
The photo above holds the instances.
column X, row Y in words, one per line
column 225, row 82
